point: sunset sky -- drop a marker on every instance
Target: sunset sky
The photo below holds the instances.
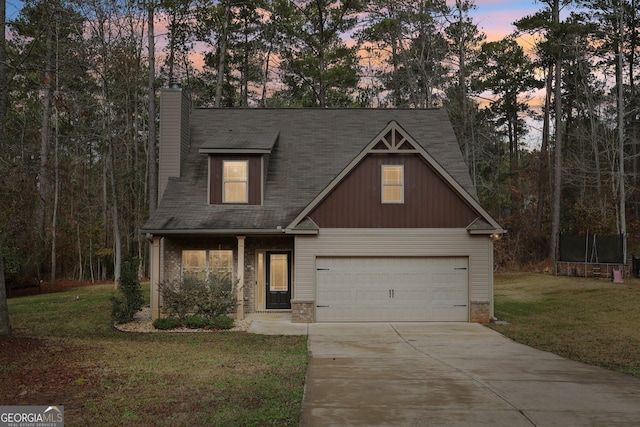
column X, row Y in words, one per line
column 494, row 17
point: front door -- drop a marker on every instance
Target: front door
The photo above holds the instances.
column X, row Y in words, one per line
column 278, row 280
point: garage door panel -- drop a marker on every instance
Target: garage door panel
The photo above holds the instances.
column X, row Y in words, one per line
column 391, row 289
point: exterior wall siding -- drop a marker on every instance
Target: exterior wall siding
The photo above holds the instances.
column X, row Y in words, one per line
column 395, row 242
column 174, row 135
column 429, row 202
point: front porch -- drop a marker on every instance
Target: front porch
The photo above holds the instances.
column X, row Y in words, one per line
column 261, row 268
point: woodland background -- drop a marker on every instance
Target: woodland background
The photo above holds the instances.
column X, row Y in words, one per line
column 78, row 113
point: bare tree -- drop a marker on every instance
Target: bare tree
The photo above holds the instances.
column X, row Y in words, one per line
column 152, row 153
column 5, row 326
column 3, row 72
column 620, row 85
column 557, row 156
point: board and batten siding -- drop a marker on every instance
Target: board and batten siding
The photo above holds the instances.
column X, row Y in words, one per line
column 428, row 200
column 395, row 242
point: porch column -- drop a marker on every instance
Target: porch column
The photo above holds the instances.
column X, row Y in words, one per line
column 240, row 309
column 154, row 278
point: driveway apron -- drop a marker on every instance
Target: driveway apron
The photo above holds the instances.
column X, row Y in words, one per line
column 454, row 374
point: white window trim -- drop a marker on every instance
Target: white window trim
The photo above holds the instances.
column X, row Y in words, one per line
column 246, row 182
column 383, row 185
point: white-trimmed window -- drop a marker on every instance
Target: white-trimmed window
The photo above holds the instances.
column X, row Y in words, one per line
column 392, row 184
column 235, row 181
column 203, row 264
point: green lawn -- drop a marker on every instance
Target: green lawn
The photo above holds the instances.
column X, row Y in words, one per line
column 589, row 320
column 65, row 351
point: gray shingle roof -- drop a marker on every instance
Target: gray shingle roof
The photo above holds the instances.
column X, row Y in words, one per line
column 230, row 140
column 309, row 147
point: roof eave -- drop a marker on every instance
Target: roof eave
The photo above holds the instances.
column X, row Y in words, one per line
column 223, row 151
column 301, row 232
column 214, row 232
column 487, row 232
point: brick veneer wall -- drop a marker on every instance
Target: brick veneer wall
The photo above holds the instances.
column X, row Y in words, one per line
column 303, row 311
column 480, row 312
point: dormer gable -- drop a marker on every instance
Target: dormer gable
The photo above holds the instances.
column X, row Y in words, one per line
column 237, row 164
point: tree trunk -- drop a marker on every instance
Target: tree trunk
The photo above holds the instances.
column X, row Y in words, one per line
column 557, row 158
column 462, row 84
column 152, row 153
column 56, row 199
column 56, row 166
column 621, row 177
column 543, row 173
column 43, row 175
column 322, row 64
column 3, row 73
column 117, row 259
column 633, row 120
column 223, row 54
column 5, row 325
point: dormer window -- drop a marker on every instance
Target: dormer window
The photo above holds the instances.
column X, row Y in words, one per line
column 392, row 184
column 235, row 181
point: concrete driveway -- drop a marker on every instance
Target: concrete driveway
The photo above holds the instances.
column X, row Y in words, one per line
column 453, row 374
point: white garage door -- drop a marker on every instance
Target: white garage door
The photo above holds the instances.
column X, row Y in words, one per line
column 366, row 289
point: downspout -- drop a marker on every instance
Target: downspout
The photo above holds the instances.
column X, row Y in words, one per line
column 492, row 316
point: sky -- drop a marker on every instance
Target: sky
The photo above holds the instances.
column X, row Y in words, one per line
column 13, row 6
column 494, row 17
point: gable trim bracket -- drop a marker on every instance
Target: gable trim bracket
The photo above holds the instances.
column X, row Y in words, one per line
column 307, row 227
column 480, row 226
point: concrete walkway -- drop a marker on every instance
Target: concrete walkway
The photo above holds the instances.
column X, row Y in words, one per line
column 451, row 374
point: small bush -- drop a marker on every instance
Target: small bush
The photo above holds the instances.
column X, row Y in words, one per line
column 195, row 322
column 221, row 322
column 165, row 323
column 119, row 310
column 178, row 298
column 207, row 299
column 129, row 299
column 215, row 298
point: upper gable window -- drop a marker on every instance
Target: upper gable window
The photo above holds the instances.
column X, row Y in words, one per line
column 392, row 184
column 235, row 181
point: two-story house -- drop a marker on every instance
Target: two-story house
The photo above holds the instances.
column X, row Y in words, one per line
column 335, row 215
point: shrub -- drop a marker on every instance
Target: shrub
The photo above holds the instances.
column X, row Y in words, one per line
column 195, row 322
column 215, row 298
column 12, row 265
column 119, row 311
column 129, row 299
column 207, row 299
column 221, row 322
column 165, row 323
column 178, row 298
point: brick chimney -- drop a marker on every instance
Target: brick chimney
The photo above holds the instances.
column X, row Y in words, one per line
column 175, row 109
